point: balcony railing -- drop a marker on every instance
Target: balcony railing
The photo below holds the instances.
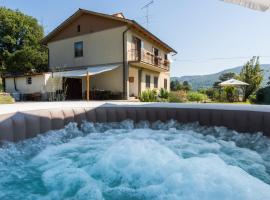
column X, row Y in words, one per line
column 148, row 58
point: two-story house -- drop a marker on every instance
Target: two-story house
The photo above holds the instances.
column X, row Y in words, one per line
column 91, row 52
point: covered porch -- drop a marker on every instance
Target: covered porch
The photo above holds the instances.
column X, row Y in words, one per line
column 92, row 83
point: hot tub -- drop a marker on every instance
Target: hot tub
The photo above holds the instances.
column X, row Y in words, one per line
column 137, row 160
column 154, row 151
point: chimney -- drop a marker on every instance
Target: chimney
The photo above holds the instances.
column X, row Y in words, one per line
column 120, row 15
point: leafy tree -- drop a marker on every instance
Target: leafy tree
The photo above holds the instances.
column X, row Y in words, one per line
column 20, row 50
column 186, row 86
column 251, row 73
column 174, row 84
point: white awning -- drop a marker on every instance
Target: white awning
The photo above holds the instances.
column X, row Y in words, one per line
column 232, row 82
column 261, row 5
column 81, row 73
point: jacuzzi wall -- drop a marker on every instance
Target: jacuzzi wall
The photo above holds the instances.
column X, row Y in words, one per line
column 19, row 126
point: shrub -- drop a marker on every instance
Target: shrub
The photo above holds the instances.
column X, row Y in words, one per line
column 196, row 96
column 177, row 97
column 263, row 95
column 148, row 96
column 252, row 98
column 163, row 93
column 6, row 98
column 231, row 93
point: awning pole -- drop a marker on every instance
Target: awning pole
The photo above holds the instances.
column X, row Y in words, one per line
column 87, row 86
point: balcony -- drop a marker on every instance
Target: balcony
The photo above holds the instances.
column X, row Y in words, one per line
column 148, row 59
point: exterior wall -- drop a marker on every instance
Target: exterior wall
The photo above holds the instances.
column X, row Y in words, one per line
column 133, row 71
column 88, row 23
column 146, row 44
column 133, row 87
column 111, row 80
column 161, row 76
column 98, row 48
column 38, row 84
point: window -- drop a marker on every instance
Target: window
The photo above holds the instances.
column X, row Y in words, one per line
column 147, row 81
column 131, row 79
column 165, row 56
column 155, row 51
column 137, row 48
column 155, row 82
column 165, row 84
column 79, row 28
column 29, row 80
column 78, row 49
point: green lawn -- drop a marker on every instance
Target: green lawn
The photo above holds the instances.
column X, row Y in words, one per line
column 6, row 99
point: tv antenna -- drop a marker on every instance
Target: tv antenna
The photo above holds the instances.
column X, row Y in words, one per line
column 147, row 11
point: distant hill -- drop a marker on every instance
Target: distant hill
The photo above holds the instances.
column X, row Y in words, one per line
column 207, row 81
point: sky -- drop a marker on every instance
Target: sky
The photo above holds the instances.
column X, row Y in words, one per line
column 209, row 35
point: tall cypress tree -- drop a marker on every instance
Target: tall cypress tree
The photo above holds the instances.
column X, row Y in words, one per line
column 252, row 74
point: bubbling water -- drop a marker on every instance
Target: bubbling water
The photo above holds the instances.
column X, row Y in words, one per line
column 137, row 161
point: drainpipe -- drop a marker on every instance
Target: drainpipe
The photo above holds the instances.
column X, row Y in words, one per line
column 4, row 83
column 139, row 81
column 125, row 65
column 15, row 85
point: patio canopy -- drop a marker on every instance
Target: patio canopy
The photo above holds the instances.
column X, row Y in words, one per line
column 232, row 82
column 90, row 70
column 261, row 5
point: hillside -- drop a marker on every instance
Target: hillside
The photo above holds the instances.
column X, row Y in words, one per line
column 206, row 81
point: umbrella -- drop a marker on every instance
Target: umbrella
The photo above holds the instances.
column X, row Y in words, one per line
column 233, row 82
column 261, row 5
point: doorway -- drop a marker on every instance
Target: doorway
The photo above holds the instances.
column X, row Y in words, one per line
column 73, row 88
column 137, row 48
column 155, row 56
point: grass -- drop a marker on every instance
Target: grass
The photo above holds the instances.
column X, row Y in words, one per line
column 6, row 99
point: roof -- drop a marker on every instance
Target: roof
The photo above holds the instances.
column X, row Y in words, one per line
column 233, row 82
column 131, row 23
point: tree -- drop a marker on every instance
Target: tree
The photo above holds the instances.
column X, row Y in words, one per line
column 186, row 86
column 20, row 50
column 251, row 73
column 174, row 84
column 177, row 86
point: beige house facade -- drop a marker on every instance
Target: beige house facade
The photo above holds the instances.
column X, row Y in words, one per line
column 92, row 52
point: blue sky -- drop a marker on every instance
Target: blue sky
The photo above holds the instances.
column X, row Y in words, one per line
column 209, row 35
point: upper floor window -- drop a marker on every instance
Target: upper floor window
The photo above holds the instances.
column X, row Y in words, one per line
column 147, row 81
column 79, row 28
column 78, row 49
column 136, row 48
column 155, row 82
column 29, row 80
column 165, row 56
column 155, row 51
